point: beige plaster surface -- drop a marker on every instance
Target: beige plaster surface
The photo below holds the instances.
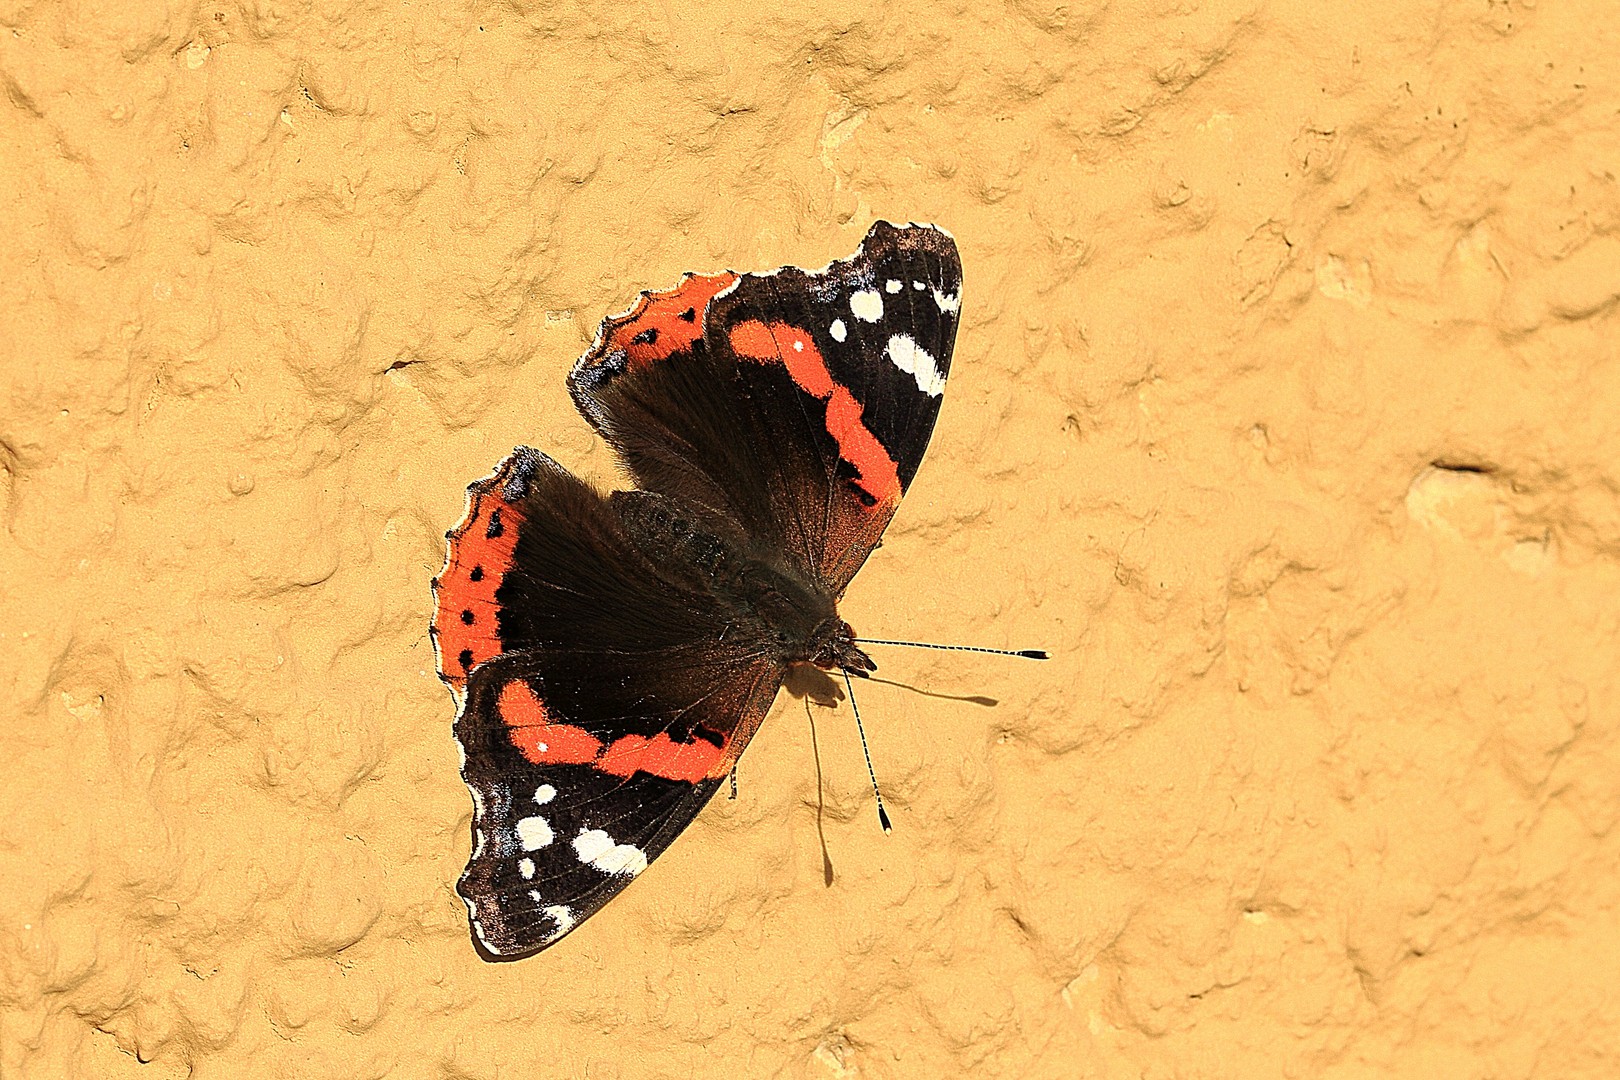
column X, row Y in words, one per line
column 1284, row 412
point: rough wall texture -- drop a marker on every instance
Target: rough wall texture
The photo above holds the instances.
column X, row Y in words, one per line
column 1284, row 414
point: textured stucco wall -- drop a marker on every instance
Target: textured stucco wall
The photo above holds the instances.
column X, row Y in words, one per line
column 1284, row 414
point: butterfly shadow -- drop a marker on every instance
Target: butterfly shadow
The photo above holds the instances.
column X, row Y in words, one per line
column 812, row 685
column 807, row 682
column 971, row 699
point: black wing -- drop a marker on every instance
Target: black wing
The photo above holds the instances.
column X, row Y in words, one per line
column 602, row 703
column 796, row 403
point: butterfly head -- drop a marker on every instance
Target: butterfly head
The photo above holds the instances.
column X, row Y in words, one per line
column 837, row 650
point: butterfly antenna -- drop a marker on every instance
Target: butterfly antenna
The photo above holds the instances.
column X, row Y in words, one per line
column 883, row 815
column 1030, row 654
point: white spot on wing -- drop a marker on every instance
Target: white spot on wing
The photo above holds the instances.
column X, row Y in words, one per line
column 948, row 304
column 544, row 794
column 563, row 916
column 867, row 305
column 526, row 868
column 597, row 848
column 914, row 360
column 838, row 330
column 534, row 833
column 892, row 287
column 919, row 286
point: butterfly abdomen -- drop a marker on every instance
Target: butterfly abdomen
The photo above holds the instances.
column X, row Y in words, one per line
column 673, row 536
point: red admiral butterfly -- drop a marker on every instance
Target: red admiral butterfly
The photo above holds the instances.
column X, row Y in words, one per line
column 614, row 654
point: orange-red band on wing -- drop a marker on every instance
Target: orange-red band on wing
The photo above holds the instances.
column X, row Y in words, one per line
column 796, row 350
column 464, row 625
column 664, row 323
column 545, row 742
column 792, row 346
column 661, row 756
column 536, row 737
column 858, row 446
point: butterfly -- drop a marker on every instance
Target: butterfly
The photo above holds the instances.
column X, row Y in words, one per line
column 612, row 654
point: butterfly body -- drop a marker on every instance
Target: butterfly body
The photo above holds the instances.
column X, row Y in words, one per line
column 772, row 606
column 614, row 653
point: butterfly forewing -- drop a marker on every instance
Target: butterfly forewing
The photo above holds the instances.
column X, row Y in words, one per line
column 803, row 406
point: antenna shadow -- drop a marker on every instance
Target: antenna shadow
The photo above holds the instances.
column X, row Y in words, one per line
column 971, row 699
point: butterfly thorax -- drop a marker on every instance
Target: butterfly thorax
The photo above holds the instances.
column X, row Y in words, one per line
column 768, row 600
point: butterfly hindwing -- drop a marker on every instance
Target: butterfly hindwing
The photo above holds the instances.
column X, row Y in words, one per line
column 556, row 839
column 797, row 403
column 602, row 701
